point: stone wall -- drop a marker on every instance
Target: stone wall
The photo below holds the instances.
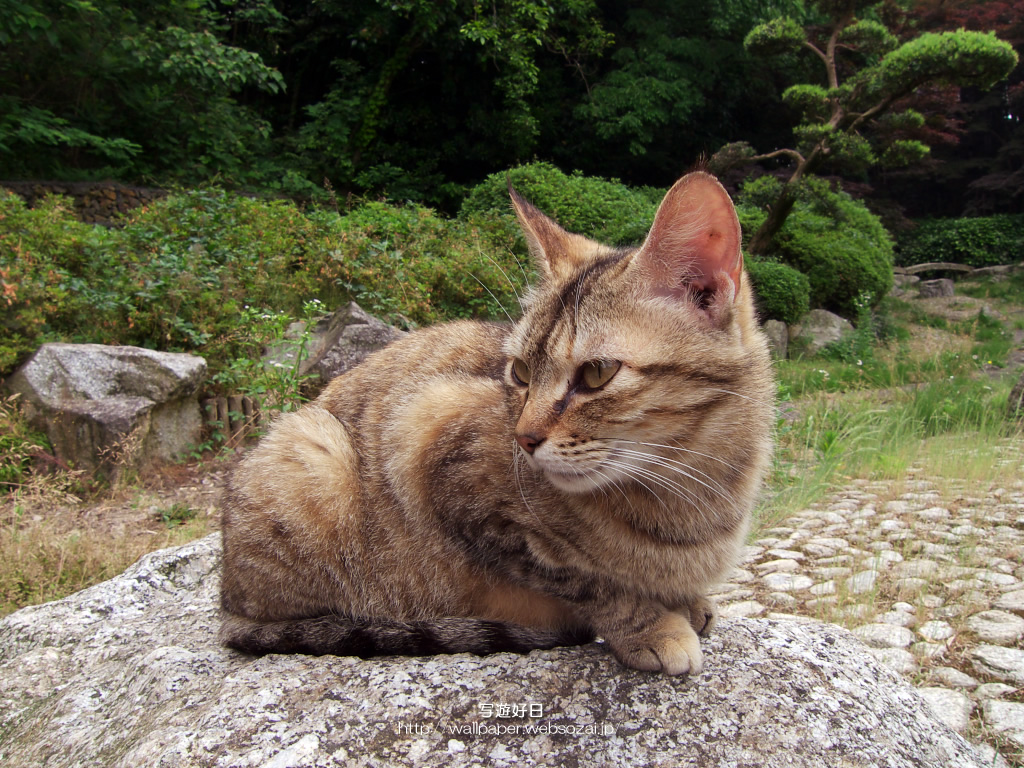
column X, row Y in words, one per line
column 96, row 202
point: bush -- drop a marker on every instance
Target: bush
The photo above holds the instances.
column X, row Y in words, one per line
column 56, row 278
column 840, row 246
column 602, row 209
column 978, row 242
column 783, row 293
column 411, row 267
column 20, row 444
column 182, row 274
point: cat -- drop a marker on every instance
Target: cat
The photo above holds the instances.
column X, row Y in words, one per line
column 478, row 487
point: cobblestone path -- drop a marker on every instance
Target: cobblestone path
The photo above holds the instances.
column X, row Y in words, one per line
column 929, row 574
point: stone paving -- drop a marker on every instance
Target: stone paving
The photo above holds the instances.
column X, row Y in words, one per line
column 929, row 574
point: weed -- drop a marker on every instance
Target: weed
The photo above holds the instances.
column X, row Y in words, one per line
column 47, row 557
column 276, row 383
column 19, row 444
column 176, row 514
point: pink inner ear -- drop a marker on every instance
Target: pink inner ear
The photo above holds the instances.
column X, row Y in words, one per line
column 694, row 239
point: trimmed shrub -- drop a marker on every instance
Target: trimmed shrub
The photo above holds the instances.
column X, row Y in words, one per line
column 834, row 240
column 977, row 242
column 182, row 273
column 783, row 293
column 602, row 209
column 411, row 267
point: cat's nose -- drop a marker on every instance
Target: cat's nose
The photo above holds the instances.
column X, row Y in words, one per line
column 529, row 442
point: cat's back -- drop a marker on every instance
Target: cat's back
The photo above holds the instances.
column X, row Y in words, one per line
column 325, row 484
column 463, row 350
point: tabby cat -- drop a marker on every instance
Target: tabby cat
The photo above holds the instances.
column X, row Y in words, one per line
column 480, row 487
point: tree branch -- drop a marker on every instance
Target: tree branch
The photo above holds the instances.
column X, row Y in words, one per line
column 792, row 153
column 817, row 51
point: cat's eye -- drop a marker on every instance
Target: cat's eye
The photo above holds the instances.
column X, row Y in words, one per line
column 520, row 372
column 597, row 373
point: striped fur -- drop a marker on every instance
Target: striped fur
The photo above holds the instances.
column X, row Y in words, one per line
column 432, row 501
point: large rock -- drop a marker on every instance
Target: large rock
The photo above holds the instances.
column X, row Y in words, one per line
column 778, row 337
column 337, row 342
column 129, row 673
column 930, row 289
column 816, row 330
column 107, row 409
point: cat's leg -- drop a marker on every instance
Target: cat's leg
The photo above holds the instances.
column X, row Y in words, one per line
column 650, row 637
column 702, row 613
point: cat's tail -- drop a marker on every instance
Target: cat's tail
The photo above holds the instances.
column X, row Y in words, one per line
column 342, row 636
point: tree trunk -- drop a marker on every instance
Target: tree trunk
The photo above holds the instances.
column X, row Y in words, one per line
column 777, row 215
column 779, row 210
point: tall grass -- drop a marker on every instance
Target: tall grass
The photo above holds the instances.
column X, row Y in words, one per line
column 861, row 435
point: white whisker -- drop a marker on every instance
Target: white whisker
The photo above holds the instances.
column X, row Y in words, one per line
column 507, row 279
column 614, row 484
column 719, row 459
column 674, row 466
column 755, row 400
column 516, row 459
column 641, row 483
column 526, row 276
column 669, row 485
column 493, row 297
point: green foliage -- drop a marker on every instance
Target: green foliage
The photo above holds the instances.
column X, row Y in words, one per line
column 869, row 37
column 903, row 152
column 777, row 36
column 189, row 272
column 386, row 84
column 866, row 71
column 19, row 445
column 811, row 101
column 412, row 267
column 43, row 253
column 962, row 58
column 177, row 514
column 602, row 209
column 513, row 36
column 782, row 292
column 858, row 346
column 834, row 240
column 126, row 89
column 275, row 383
column 1006, row 288
column 978, row 242
column 654, row 85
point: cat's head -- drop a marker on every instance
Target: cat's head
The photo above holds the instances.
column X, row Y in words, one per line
column 626, row 355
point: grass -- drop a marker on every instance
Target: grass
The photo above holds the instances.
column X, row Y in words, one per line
column 870, row 411
column 1009, row 288
column 44, row 558
column 949, row 426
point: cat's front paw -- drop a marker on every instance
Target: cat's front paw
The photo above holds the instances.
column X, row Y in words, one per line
column 671, row 646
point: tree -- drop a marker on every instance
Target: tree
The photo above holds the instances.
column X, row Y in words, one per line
column 983, row 172
column 866, row 71
column 676, row 84
column 416, row 96
column 125, row 89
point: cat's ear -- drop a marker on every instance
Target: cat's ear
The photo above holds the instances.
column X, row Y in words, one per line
column 558, row 253
column 693, row 248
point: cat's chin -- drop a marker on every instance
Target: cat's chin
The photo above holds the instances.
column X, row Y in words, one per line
column 573, row 482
